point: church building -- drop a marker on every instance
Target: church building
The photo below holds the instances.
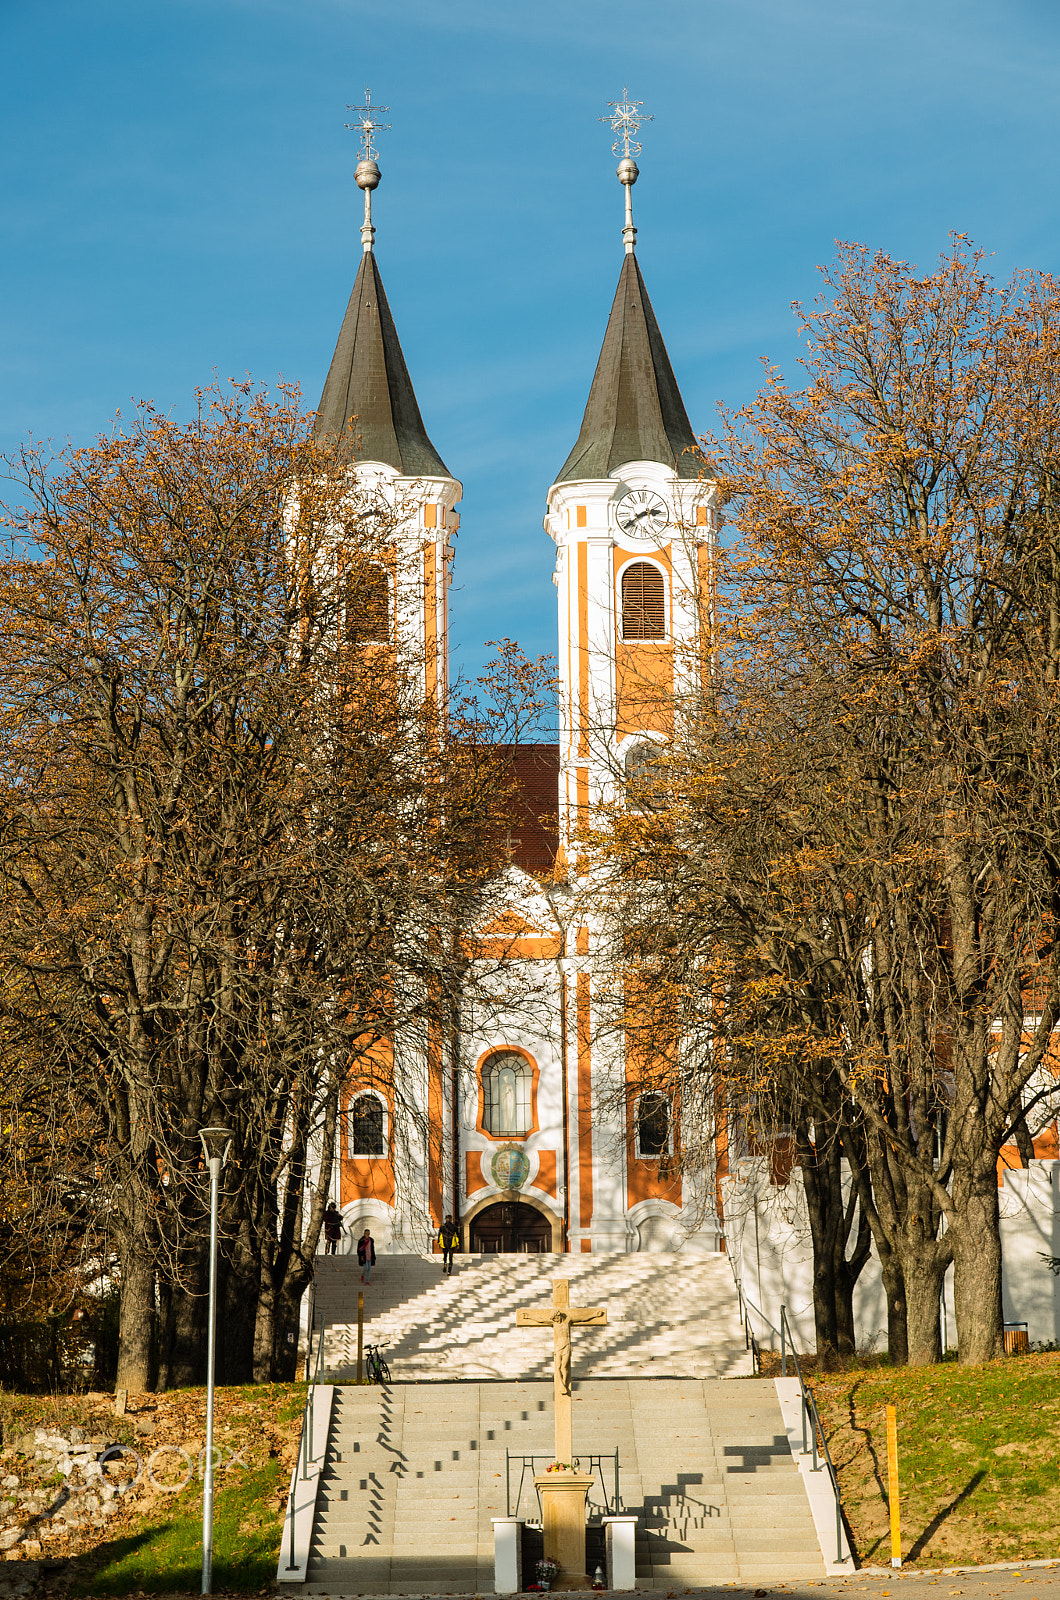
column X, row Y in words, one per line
column 530, row 1148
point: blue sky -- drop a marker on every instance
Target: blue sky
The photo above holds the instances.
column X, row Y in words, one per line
column 177, row 197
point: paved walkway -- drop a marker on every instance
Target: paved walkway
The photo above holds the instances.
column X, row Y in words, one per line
column 1028, row 1582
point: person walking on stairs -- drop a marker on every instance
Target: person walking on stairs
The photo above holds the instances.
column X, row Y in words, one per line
column 366, row 1255
column 333, row 1228
column 449, row 1239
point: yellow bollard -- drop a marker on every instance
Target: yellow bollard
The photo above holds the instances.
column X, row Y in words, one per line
column 360, row 1336
column 892, row 1486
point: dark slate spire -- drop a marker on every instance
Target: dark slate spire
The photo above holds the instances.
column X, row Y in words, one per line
column 369, row 381
column 635, row 411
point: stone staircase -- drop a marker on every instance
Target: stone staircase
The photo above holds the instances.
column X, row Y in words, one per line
column 669, row 1315
column 413, row 1474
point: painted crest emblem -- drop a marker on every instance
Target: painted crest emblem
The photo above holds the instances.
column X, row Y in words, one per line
column 509, row 1168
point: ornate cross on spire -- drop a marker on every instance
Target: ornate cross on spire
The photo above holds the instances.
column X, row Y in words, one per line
column 368, row 126
column 367, row 174
column 625, row 119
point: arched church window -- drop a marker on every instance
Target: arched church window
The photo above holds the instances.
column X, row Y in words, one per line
column 653, row 1125
column 643, row 601
column 366, row 603
column 506, row 1086
column 367, row 1126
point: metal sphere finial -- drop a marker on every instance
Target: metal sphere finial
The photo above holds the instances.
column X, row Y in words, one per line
column 626, row 118
column 367, row 174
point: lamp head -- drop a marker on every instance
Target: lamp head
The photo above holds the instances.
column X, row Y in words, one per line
column 216, row 1144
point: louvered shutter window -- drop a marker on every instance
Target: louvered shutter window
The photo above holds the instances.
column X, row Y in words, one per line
column 367, row 604
column 643, row 602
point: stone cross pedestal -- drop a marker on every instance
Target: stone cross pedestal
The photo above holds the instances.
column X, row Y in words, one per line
column 563, row 1493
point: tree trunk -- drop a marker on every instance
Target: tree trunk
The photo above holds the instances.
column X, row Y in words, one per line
column 897, row 1313
column 265, row 1331
column 137, row 1322
column 977, row 1306
column 824, row 1209
column 923, row 1271
column 183, row 1327
column 848, row 1270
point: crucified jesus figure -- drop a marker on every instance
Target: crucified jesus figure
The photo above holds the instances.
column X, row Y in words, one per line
column 562, row 1317
column 561, row 1360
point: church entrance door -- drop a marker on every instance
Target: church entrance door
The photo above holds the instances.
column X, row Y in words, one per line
column 510, row 1226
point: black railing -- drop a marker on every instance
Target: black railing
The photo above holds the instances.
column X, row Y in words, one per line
column 750, row 1342
column 808, row 1406
column 612, row 1503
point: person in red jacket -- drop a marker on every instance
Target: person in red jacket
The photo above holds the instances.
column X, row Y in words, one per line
column 366, row 1255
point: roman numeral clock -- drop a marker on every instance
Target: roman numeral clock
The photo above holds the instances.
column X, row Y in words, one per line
column 642, row 511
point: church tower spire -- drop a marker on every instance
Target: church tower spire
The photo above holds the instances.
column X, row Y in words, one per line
column 632, row 513
column 635, row 411
column 369, row 405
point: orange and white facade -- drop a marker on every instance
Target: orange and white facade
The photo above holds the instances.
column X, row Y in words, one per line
column 532, row 1142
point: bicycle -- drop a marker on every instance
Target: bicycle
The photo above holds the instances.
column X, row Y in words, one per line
column 375, row 1368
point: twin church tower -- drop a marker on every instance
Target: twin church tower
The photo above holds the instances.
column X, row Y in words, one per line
column 525, row 1150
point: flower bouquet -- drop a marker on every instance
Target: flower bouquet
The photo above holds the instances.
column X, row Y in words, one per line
column 547, row 1572
column 559, row 1466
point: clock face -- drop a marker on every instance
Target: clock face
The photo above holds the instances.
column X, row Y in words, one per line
column 642, row 511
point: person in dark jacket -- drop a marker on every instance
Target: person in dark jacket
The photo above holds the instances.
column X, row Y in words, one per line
column 333, row 1228
column 366, row 1255
column 449, row 1239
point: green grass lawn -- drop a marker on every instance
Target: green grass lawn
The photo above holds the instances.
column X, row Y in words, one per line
column 978, row 1459
column 164, row 1553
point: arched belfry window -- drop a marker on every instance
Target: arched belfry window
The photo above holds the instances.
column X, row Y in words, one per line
column 506, row 1092
column 367, row 1132
column 653, row 1125
column 643, row 601
column 366, row 603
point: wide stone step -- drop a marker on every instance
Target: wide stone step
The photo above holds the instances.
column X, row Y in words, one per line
column 668, row 1316
column 414, row 1474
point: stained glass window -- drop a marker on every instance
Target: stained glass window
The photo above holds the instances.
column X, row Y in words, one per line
column 653, row 1125
column 506, row 1084
column 366, row 1126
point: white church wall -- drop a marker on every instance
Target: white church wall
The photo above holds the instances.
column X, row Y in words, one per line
column 768, row 1235
column 767, row 1232
column 1030, row 1229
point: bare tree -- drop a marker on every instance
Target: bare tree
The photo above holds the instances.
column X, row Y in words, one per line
column 237, row 834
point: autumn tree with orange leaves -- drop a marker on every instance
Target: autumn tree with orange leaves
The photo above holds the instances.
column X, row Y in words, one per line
column 236, row 840
column 856, row 834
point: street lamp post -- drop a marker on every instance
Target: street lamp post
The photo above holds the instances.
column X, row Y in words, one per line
column 216, row 1143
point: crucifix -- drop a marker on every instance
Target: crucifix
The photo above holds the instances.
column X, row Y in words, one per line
column 562, row 1316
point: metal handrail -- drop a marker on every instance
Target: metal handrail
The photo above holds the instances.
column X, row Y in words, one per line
column 306, row 1452
column 808, row 1408
column 750, row 1342
column 612, row 1506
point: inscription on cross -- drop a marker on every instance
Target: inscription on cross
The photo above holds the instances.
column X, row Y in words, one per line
column 561, row 1316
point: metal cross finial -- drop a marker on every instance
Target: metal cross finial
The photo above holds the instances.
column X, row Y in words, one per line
column 367, row 125
column 625, row 119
